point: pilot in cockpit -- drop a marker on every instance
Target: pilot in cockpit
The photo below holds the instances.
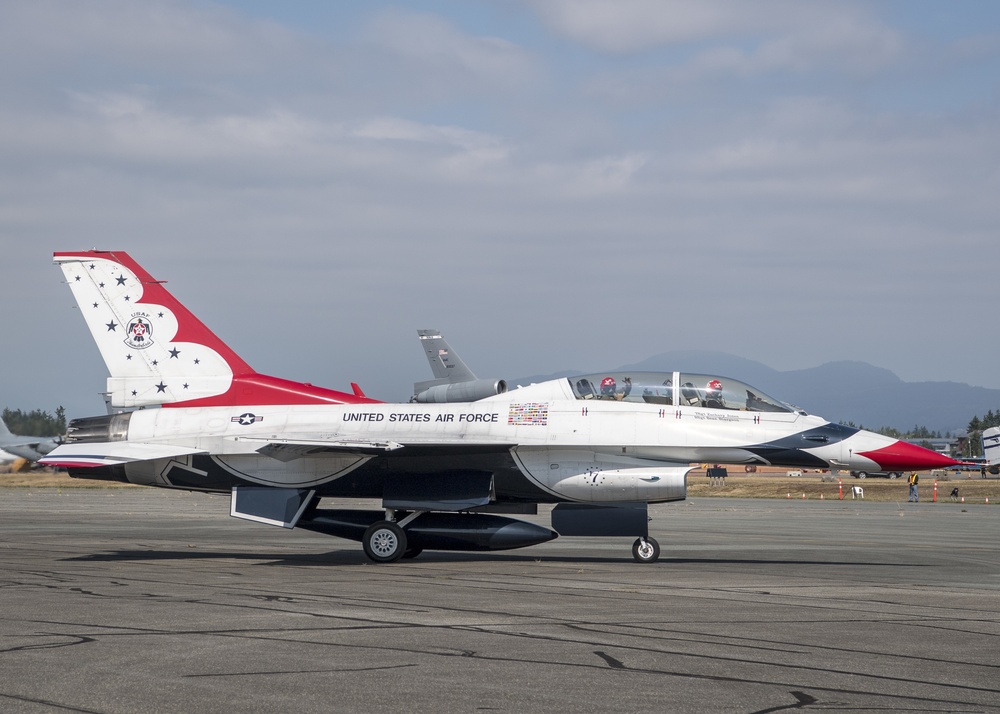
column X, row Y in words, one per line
column 609, row 388
column 713, row 395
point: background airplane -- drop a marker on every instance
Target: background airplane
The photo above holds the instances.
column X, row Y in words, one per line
column 991, row 449
column 453, row 380
column 599, row 447
column 31, row 448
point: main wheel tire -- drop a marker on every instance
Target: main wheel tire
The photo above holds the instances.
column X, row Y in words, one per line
column 384, row 542
column 646, row 550
column 862, row 474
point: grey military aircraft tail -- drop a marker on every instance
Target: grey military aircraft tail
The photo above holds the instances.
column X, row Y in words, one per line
column 31, row 448
column 453, row 380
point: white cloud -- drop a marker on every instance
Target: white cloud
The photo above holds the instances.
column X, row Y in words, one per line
column 165, row 35
column 134, row 128
column 743, row 38
column 431, row 44
column 396, row 129
column 625, row 26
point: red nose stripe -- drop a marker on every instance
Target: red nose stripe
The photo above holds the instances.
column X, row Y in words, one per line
column 902, row 456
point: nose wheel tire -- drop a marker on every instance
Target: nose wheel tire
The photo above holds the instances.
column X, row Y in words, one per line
column 384, row 542
column 646, row 550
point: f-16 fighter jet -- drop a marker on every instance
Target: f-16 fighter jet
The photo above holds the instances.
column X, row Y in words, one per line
column 600, row 447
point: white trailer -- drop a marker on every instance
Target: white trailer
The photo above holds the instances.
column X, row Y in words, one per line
column 991, row 449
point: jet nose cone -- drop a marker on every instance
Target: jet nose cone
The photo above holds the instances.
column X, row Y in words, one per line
column 902, row 456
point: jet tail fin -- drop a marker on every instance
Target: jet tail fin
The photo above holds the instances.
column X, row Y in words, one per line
column 4, row 431
column 445, row 362
column 454, row 381
column 158, row 352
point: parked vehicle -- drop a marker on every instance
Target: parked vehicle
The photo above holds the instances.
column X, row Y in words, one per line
column 886, row 474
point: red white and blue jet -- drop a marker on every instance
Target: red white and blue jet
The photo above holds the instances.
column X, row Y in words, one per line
column 600, row 447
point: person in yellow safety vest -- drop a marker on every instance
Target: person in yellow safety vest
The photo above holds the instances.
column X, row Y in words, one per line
column 914, row 480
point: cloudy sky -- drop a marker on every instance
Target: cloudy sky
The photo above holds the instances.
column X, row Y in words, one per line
column 555, row 184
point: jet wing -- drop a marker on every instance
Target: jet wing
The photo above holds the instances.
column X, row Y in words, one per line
column 290, row 449
column 112, row 453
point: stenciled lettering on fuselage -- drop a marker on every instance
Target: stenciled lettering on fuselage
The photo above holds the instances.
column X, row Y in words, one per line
column 468, row 418
column 718, row 416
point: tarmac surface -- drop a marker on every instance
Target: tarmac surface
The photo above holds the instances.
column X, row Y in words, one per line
column 152, row 601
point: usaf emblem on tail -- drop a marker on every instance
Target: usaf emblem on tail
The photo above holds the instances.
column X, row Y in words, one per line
column 139, row 332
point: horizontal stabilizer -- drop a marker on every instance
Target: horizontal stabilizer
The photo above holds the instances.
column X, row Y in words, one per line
column 273, row 506
column 111, row 453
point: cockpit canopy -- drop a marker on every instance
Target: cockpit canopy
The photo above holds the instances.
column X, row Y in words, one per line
column 676, row 388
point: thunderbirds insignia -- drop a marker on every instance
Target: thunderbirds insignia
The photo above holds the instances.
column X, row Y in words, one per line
column 139, row 332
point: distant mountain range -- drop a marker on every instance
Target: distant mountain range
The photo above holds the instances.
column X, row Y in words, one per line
column 854, row 392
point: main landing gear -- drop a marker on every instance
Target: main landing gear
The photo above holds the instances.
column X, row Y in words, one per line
column 384, row 542
column 389, row 540
column 646, row 550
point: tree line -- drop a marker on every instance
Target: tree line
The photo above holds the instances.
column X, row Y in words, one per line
column 976, row 428
column 917, row 432
column 35, row 422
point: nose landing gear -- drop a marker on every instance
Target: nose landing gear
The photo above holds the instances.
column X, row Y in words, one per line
column 646, row 550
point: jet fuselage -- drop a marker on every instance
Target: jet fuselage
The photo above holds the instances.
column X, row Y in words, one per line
column 600, row 446
column 542, row 442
